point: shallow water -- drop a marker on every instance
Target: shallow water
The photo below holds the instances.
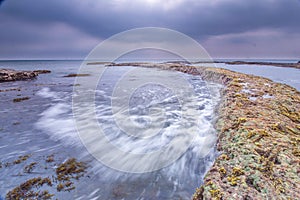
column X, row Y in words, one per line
column 45, row 125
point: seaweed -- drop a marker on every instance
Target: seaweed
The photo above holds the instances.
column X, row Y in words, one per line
column 65, row 172
column 70, row 169
column 26, row 190
column 21, row 159
column 29, row 168
column 63, row 181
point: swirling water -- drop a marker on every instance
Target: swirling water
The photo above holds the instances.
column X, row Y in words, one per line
column 45, row 125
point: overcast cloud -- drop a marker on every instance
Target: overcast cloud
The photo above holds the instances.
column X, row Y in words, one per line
column 226, row 28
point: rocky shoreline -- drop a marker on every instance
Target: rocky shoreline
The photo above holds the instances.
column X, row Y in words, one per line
column 274, row 64
column 259, row 135
column 258, row 141
column 293, row 65
column 7, row 75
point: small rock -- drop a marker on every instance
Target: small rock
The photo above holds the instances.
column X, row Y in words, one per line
column 20, row 99
column 42, row 71
column 76, row 75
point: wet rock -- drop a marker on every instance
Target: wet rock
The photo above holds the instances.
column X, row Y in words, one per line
column 43, row 71
column 13, row 75
column 260, row 140
column 16, row 100
column 76, row 75
column 11, row 89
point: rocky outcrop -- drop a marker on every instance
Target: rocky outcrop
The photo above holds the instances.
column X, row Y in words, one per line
column 13, row 75
column 258, row 139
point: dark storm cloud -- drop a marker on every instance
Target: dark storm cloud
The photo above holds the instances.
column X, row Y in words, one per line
column 240, row 16
column 1, row 1
column 101, row 18
column 197, row 18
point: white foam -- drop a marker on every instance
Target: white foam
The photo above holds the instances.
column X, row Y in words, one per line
column 58, row 122
column 46, row 93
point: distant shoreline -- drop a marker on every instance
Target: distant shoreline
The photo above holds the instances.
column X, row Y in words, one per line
column 293, row 65
column 238, row 62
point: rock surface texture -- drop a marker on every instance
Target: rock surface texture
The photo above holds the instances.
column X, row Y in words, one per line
column 259, row 135
column 13, row 75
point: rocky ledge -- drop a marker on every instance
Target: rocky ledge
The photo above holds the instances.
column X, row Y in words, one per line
column 258, row 137
column 259, row 129
column 13, row 75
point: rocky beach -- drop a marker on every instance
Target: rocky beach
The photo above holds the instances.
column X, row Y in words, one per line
column 258, row 140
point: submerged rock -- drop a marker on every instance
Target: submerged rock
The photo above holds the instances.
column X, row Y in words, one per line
column 16, row 100
column 42, row 71
column 76, row 75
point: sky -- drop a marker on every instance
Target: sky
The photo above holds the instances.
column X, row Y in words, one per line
column 70, row 29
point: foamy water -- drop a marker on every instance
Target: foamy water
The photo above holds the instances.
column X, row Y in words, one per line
column 177, row 180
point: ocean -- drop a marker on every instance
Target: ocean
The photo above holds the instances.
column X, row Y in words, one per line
column 45, row 125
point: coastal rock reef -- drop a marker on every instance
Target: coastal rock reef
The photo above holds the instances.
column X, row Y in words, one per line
column 258, row 141
column 13, row 75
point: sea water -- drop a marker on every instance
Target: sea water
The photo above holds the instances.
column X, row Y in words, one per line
column 44, row 125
